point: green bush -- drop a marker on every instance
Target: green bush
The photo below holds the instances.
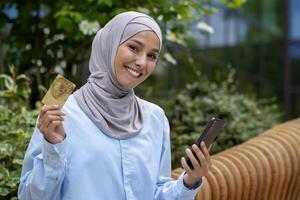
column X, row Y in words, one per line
column 16, row 127
column 244, row 115
column 14, row 89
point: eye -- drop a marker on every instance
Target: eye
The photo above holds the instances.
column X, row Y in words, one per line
column 133, row 48
column 152, row 56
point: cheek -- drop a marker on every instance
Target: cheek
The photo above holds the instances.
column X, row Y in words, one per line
column 151, row 68
column 119, row 61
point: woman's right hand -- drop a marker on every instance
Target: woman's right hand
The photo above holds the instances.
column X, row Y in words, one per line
column 50, row 123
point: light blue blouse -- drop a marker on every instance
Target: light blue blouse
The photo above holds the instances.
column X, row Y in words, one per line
column 89, row 165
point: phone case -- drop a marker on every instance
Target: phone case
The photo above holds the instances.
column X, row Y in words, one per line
column 209, row 135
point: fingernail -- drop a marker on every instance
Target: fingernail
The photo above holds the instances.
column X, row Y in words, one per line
column 202, row 143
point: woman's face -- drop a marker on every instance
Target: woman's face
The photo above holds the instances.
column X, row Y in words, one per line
column 136, row 58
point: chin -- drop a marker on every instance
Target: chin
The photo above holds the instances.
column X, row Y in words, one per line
column 128, row 86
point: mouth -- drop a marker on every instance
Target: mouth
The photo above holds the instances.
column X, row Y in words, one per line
column 133, row 72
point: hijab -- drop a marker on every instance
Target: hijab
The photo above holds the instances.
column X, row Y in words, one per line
column 115, row 110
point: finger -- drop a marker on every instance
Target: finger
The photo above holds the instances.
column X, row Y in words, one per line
column 43, row 129
column 49, row 135
column 47, row 118
column 200, row 155
column 192, row 158
column 51, row 112
column 44, row 123
column 204, row 149
column 206, row 153
column 46, row 108
column 51, row 118
column 53, row 125
column 185, row 166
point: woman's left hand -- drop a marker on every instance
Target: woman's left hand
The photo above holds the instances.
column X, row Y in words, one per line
column 201, row 164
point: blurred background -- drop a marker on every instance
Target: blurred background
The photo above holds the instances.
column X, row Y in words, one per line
column 235, row 59
column 261, row 41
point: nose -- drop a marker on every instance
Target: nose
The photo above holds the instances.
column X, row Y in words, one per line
column 141, row 61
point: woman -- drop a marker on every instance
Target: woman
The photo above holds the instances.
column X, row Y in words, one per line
column 106, row 143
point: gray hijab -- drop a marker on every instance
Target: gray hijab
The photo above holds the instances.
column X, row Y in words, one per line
column 116, row 111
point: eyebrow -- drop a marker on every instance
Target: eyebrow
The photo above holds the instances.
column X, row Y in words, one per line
column 140, row 43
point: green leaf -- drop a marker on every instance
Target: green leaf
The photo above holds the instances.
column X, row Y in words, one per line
column 233, row 3
column 4, row 192
column 64, row 23
column 6, row 81
column 105, row 2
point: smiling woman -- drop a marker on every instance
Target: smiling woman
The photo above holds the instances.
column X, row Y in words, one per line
column 106, row 143
column 136, row 59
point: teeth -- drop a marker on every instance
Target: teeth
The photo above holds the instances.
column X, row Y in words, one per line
column 133, row 72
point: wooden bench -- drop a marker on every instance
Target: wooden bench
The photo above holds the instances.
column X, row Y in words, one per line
column 265, row 167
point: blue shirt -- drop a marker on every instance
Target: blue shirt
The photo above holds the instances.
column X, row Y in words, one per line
column 88, row 165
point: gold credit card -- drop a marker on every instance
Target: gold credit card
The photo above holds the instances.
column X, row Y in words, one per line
column 59, row 91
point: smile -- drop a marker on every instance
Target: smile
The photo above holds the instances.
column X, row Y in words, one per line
column 133, row 72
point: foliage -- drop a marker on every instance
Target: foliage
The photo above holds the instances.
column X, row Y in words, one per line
column 50, row 37
column 15, row 89
column 244, row 115
column 16, row 126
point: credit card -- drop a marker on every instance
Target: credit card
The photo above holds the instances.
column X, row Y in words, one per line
column 59, row 91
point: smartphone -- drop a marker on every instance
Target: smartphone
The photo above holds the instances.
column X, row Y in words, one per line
column 209, row 135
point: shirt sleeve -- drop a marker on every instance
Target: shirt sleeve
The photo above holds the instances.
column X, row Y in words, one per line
column 43, row 169
column 167, row 188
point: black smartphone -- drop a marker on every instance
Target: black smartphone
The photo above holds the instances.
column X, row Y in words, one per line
column 209, row 135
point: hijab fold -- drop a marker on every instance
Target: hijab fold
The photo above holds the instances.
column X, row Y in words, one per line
column 114, row 109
